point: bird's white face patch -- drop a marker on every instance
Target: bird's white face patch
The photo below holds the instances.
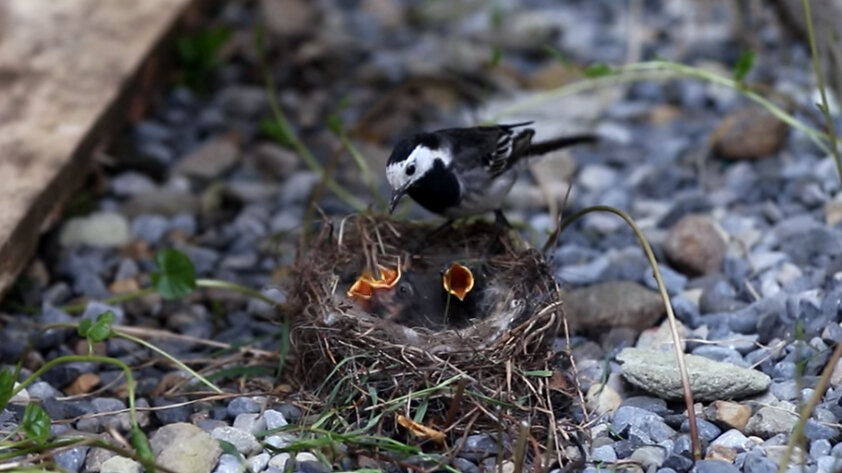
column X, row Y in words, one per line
column 415, row 165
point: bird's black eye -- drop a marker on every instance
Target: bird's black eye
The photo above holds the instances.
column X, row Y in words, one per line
column 410, row 170
column 404, row 288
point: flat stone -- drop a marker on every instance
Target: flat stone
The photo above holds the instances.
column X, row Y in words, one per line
column 119, row 464
column 244, row 442
column 185, row 448
column 729, row 414
column 595, row 307
column 749, row 133
column 770, row 421
column 210, row 161
column 656, row 372
column 695, row 246
column 103, row 229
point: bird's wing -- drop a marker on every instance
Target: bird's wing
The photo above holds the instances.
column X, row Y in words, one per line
column 494, row 148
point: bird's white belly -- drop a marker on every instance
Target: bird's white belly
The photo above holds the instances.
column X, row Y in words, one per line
column 484, row 199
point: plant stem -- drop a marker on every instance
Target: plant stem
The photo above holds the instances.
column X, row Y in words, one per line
column 679, row 354
column 218, row 284
column 76, row 308
column 166, row 355
column 86, row 359
column 817, row 70
column 661, row 70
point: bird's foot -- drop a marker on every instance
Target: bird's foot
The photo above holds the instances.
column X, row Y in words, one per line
column 501, row 220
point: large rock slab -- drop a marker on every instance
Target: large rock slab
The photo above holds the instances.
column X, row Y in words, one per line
column 657, row 372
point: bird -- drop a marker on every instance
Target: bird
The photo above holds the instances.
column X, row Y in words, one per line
column 419, row 298
column 461, row 172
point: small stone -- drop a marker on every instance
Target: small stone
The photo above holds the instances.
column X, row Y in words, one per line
column 250, row 422
column 755, row 462
column 718, row 452
column 241, row 405
column 769, row 421
column 650, row 456
column 819, row 448
column 244, row 442
column 477, row 447
column 597, row 177
column 593, row 308
column 710, row 380
column 166, row 202
column 661, row 338
column 71, row 459
column 604, row 454
column 694, row 246
column 749, row 133
column 729, row 414
column 210, row 161
column 274, row 419
column 275, row 160
column 640, row 425
column 777, row 453
column 185, row 448
column 715, row 466
column 149, row 228
column 707, row 430
column 104, row 229
column 244, row 100
column 118, row 464
column 602, row 398
column 836, row 375
column 463, row 465
column 288, row 17
column 828, row 464
column 171, row 410
column 228, row 464
column 259, row 462
column 279, row 461
column 84, row 384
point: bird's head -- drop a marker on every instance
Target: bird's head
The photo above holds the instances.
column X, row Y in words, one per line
column 411, row 159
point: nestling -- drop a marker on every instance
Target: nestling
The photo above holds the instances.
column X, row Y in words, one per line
column 459, row 172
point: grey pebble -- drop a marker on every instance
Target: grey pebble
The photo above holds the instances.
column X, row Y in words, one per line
column 240, row 405
column 71, row 459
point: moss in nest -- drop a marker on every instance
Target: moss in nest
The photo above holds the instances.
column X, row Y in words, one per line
column 385, row 358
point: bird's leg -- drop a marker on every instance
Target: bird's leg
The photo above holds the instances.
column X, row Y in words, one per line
column 501, row 220
column 503, row 225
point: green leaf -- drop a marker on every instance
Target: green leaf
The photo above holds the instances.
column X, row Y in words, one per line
column 496, row 56
column 743, row 66
column 98, row 331
column 334, row 123
column 7, row 384
column 141, row 445
column 36, row 423
column 556, row 54
column 598, row 70
column 276, row 131
column 176, row 278
column 84, row 327
column 230, row 449
column 539, row 373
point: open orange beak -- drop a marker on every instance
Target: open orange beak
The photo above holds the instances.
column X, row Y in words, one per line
column 364, row 286
column 458, row 280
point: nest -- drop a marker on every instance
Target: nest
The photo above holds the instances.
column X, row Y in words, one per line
column 490, row 368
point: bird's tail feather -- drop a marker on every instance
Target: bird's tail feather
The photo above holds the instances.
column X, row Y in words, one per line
column 544, row 147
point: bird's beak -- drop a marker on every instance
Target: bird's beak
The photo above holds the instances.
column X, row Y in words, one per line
column 458, row 280
column 396, row 197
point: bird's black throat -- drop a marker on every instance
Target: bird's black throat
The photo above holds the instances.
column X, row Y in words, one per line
column 438, row 190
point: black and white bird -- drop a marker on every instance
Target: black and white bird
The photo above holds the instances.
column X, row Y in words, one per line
column 459, row 172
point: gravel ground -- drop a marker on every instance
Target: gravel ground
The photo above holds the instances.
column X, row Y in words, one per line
column 742, row 215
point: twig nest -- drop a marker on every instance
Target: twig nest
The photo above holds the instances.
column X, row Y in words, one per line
column 399, row 307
